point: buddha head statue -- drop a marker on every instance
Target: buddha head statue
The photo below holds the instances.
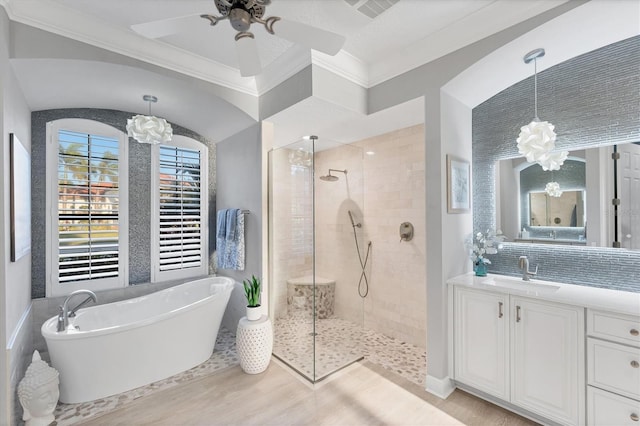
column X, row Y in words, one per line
column 38, row 392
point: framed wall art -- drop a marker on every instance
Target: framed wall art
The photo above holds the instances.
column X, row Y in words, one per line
column 458, row 185
column 20, row 193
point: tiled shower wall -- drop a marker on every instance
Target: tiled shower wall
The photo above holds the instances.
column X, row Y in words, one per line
column 291, row 194
column 388, row 188
column 593, row 100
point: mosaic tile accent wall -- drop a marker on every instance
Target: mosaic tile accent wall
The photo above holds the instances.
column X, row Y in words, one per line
column 593, row 100
column 139, row 190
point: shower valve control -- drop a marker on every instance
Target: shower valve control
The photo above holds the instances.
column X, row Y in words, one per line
column 406, row 231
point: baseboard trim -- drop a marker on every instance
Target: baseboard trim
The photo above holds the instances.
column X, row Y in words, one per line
column 441, row 388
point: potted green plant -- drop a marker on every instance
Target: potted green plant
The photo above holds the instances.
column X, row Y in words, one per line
column 252, row 293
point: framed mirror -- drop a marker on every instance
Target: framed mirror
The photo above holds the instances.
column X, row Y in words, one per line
column 565, row 208
column 597, row 205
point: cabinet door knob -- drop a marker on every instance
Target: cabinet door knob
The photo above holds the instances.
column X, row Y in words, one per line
column 634, row 332
column 635, row 364
column 634, row 417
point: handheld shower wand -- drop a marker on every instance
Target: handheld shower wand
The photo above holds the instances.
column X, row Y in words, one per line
column 359, row 225
column 363, row 283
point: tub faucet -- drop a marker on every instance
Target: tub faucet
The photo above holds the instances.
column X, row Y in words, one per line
column 66, row 313
column 523, row 264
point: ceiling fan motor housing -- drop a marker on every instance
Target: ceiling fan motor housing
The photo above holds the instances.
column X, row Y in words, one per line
column 240, row 19
column 241, row 12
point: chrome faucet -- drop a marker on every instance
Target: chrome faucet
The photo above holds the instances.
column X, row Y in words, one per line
column 523, row 264
column 552, row 234
column 66, row 313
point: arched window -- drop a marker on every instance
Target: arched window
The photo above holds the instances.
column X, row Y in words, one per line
column 179, row 209
column 87, row 199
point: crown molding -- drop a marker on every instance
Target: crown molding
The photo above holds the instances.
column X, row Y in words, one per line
column 50, row 16
column 291, row 62
column 345, row 65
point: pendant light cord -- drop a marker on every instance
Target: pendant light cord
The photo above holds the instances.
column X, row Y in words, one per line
column 535, row 88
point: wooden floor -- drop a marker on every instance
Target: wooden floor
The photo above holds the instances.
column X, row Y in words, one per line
column 362, row 394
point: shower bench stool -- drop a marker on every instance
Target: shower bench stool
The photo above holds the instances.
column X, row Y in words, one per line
column 254, row 343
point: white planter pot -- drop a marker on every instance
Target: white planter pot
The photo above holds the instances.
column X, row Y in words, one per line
column 254, row 313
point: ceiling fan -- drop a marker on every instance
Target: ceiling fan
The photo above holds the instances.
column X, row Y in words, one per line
column 241, row 14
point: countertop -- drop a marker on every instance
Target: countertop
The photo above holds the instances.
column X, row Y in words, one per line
column 622, row 302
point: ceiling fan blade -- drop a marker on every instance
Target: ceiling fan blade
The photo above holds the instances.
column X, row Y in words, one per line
column 248, row 57
column 165, row 27
column 312, row 37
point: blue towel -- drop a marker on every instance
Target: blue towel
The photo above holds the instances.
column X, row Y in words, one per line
column 232, row 219
column 230, row 252
column 221, row 223
column 221, row 237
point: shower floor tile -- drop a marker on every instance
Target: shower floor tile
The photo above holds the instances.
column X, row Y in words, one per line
column 339, row 343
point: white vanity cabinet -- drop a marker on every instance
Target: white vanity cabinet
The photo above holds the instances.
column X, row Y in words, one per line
column 522, row 350
column 547, row 356
column 613, row 368
column 482, row 340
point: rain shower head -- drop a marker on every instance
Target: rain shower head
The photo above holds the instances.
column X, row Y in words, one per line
column 330, row 177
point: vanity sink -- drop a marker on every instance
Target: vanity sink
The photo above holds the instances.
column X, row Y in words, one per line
column 519, row 283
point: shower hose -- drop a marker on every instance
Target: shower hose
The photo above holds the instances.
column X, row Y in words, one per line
column 363, row 283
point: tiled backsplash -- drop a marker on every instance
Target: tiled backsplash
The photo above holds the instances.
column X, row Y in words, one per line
column 593, row 99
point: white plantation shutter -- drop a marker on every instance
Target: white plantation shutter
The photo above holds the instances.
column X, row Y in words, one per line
column 181, row 212
column 88, row 205
column 88, row 243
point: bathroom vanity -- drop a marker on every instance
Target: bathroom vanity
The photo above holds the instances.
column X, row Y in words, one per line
column 526, row 346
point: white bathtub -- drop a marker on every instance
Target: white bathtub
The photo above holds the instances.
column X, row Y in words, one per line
column 123, row 345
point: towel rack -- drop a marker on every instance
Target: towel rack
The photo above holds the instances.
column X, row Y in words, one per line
column 245, row 211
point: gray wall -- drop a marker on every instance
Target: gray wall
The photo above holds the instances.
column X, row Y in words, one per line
column 15, row 286
column 593, row 99
column 239, row 167
column 139, row 191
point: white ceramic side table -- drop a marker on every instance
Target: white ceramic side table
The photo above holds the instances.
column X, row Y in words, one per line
column 254, row 343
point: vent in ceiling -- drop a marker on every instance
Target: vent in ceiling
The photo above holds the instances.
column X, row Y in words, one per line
column 371, row 8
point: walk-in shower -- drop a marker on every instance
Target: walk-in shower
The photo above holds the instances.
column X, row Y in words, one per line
column 316, row 208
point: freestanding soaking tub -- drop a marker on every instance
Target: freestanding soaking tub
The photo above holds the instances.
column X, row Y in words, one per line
column 112, row 348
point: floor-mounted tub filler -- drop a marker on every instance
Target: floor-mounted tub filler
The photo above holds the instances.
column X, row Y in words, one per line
column 112, row 348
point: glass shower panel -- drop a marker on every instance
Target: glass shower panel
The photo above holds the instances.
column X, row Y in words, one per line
column 317, row 246
column 291, row 248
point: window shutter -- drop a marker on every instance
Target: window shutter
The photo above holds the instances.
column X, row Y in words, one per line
column 180, row 212
column 88, row 206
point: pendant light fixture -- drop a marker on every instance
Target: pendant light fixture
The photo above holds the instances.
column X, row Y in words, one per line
column 553, row 189
column 148, row 128
column 537, row 139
